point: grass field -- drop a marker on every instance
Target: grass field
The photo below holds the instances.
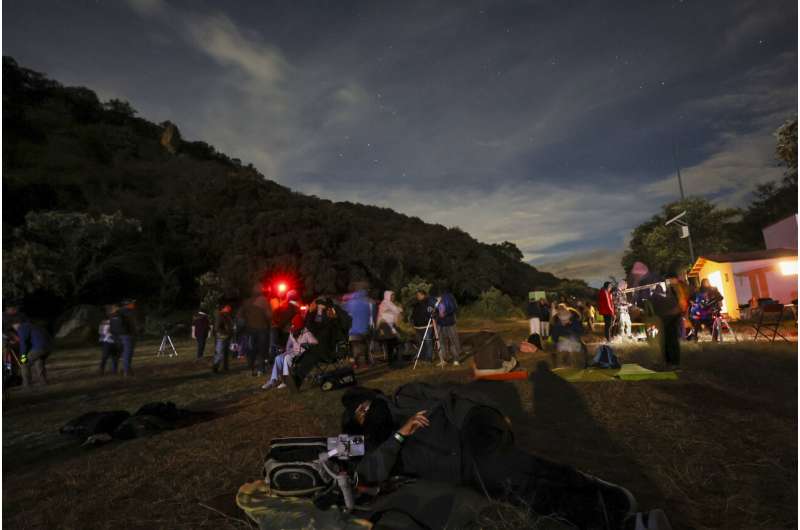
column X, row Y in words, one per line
column 715, row 449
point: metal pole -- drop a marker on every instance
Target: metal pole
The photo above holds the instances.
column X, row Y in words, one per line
column 683, row 197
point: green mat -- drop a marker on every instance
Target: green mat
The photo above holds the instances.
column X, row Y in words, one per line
column 628, row 372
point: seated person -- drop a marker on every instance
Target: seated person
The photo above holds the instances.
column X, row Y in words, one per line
column 299, row 339
column 566, row 322
column 706, row 303
column 445, row 435
column 330, row 325
column 532, row 344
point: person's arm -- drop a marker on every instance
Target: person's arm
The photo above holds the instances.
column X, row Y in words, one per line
column 23, row 333
column 377, row 465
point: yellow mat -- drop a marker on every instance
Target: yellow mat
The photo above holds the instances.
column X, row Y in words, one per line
column 628, row 372
column 291, row 513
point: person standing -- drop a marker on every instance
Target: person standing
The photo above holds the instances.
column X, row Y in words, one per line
column 360, row 310
column 605, row 305
column 669, row 304
column 386, row 323
column 534, row 311
column 257, row 316
column 122, row 325
column 450, row 347
column 591, row 315
column 223, row 331
column 201, row 326
column 421, row 314
column 544, row 311
column 621, row 306
column 108, row 347
column 35, row 346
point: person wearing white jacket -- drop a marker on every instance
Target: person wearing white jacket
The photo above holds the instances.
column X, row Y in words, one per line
column 388, row 316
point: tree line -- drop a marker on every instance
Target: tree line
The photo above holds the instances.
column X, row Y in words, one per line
column 717, row 229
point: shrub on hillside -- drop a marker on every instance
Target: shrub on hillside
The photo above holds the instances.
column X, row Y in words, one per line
column 493, row 303
column 407, row 294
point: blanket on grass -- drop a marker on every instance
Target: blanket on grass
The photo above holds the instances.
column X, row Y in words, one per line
column 628, row 372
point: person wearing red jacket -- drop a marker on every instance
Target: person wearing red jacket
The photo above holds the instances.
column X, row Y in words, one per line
column 605, row 306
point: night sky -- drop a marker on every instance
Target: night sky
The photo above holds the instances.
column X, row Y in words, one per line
column 549, row 124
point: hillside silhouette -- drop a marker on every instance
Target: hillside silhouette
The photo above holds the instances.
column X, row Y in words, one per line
column 200, row 211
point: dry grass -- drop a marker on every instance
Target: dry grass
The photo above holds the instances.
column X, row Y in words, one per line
column 716, row 449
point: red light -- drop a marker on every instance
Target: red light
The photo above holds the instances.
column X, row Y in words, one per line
column 282, row 287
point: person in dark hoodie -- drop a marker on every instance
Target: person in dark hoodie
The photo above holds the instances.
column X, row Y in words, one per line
column 329, row 324
column 444, row 434
column 534, row 311
column 449, row 344
column 35, row 346
column 421, row 313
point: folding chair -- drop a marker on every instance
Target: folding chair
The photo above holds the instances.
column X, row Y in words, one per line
column 770, row 320
column 329, row 362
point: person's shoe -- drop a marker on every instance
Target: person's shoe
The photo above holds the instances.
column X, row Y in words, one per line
column 652, row 520
column 442, row 364
column 617, row 504
column 456, row 363
column 259, row 373
column 268, row 385
column 282, row 385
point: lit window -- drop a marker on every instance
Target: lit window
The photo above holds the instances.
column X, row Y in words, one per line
column 788, row 268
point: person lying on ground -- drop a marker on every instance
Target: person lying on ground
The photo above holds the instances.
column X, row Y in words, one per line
column 445, row 435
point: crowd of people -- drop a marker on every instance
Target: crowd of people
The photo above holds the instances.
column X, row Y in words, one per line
column 273, row 330
column 283, row 338
column 670, row 308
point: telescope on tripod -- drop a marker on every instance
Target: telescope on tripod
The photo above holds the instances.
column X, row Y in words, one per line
column 167, row 348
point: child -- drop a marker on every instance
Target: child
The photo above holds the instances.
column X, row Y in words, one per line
column 108, row 347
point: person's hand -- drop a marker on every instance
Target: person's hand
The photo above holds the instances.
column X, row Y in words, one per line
column 414, row 423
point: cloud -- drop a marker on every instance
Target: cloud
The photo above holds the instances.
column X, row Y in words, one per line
column 593, row 266
column 730, row 173
column 148, row 7
column 556, row 146
column 219, row 38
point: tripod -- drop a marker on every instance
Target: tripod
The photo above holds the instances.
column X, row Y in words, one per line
column 166, row 345
column 422, row 342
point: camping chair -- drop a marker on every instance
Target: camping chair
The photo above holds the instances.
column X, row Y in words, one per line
column 329, row 362
column 770, row 320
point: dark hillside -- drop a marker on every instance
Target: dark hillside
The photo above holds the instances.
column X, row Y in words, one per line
column 198, row 211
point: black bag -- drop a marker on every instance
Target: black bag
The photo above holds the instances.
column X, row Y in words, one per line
column 141, row 425
column 292, row 467
column 92, row 423
column 339, row 378
column 118, row 325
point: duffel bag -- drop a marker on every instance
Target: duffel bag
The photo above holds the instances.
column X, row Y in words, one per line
column 292, row 466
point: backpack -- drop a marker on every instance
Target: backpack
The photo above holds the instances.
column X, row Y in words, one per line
column 292, row 466
column 605, row 357
column 93, row 423
column 450, row 304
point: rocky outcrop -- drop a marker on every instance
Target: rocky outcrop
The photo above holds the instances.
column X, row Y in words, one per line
column 170, row 137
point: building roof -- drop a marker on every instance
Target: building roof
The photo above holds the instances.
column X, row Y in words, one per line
column 770, row 253
column 733, row 257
